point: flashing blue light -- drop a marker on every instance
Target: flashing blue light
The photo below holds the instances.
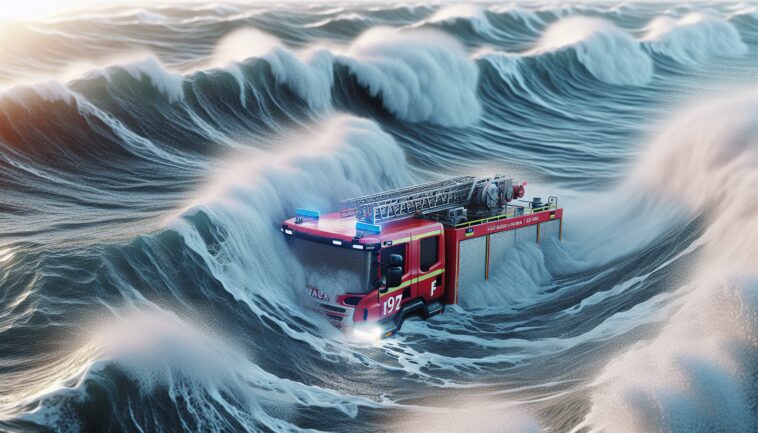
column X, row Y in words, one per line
column 373, row 228
column 307, row 213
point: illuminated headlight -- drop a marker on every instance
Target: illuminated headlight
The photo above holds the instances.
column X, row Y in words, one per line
column 336, row 242
column 358, row 246
column 287, row 231
column 368, row 333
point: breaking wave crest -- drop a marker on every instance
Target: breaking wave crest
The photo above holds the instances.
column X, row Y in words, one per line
column 210, row 381
column 610, row 54
column 310, row 77
column 473, row 14
column 419, row 75
column 694, row 38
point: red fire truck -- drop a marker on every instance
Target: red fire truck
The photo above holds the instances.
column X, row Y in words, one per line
column 387, row 256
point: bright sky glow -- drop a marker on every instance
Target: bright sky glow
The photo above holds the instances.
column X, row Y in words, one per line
column 33, row 9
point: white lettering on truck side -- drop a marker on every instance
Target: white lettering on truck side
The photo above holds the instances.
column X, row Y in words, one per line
column 512, row 224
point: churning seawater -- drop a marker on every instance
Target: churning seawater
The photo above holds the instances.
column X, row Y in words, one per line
column 149, row 154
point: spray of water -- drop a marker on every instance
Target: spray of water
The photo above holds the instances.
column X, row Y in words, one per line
column 699, row 372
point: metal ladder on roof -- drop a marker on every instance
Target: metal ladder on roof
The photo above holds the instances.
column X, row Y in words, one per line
column 415, row 200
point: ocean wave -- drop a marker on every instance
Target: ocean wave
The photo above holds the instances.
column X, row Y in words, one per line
column 139, row 65
column 309, row 75
column 168, row 83
column 510, row 19
column 699, row 372
column 509, row 70
column 341, row 22
column 419, row 75
column 526, row 15
column 476, row 25
column 593, row 39
column 694, row 38
column 49, row 91
column 473, row 14
column 216, row 386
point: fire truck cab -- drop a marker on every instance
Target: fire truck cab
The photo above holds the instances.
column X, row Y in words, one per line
column 402, row 253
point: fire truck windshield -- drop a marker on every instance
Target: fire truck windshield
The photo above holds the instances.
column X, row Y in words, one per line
column 335, row 270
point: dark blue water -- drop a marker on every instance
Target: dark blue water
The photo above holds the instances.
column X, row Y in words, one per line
column 149, row 155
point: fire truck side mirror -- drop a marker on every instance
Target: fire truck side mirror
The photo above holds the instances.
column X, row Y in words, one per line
column 394, row 276
column 396, row 260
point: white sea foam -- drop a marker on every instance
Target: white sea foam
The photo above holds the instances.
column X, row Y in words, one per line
column 469, row 413
column 243, row 44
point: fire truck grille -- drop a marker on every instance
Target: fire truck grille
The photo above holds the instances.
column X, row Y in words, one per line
column 333, row 308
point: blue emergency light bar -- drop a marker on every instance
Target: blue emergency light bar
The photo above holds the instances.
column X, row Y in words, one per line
column 307, row 213
column 365, row 227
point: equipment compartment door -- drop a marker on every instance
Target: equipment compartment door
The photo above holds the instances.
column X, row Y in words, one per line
column 473, row 261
